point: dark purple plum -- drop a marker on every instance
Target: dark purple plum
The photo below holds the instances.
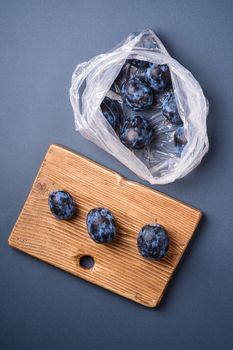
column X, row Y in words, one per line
column 136, row 132
column 137, row 94
column 153, row 241
column 138, row 63
column 101, row 225
column 112, row 111
column 180, row 140
column 158, row 76
column 62, row 205
column 170, row 110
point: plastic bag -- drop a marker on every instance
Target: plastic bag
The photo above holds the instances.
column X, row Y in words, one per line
column 103, row 75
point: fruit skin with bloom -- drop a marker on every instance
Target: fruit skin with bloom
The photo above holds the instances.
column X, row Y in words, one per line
column 170, row 110
column 101, row 225
column 138, row 63
column 153, row 241
column 62, row 205
column 112, row 112
column 158, row 76
column 137, row 94
column 180, row 140
column 136, row 132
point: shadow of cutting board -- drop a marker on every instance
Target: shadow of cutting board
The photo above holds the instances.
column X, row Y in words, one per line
column 118, row 266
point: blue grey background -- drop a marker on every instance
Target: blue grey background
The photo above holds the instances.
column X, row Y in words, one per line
column 42, row 307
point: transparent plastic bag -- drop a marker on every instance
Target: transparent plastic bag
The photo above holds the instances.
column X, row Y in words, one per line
column 103, row 75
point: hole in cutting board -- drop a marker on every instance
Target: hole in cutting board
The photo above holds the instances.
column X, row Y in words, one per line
column 86, row 261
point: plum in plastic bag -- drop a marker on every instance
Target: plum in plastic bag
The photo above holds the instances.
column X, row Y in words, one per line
column 146, row 82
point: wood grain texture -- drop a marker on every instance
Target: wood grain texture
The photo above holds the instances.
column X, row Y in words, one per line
column 118, row 266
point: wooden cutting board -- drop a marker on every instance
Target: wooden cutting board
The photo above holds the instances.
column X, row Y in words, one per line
column 118, row 266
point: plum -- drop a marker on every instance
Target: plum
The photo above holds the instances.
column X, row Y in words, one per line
column 137, row 94
column 62, row 205
column 170, row 110
column 136, row 132
column 153, row 241
column 158, row 76
column 101, row 225
column 112, row 112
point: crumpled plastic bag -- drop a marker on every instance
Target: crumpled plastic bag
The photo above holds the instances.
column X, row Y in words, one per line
column 103, row 76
